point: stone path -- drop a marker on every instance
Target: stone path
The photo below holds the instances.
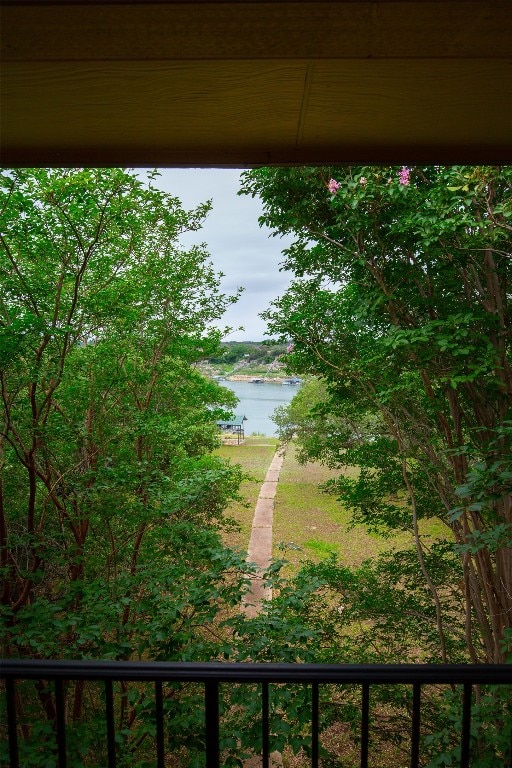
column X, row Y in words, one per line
column 260, row 542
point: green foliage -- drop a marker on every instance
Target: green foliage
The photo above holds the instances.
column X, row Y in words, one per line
column 382, row 612
column 300, row 413
column 401, row 308
column 491, row 725
column 385, row 604
column 111, row 503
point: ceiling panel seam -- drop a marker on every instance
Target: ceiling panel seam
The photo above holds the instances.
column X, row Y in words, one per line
column 304, row 104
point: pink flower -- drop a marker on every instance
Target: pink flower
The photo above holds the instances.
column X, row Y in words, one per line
column 333, row 186
column 363, row 181
column 289, row 348
column 403, row 176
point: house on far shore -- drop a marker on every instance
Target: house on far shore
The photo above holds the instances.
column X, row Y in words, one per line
column 232, row 428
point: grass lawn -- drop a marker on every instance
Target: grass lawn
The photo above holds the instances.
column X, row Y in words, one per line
column 310, row 524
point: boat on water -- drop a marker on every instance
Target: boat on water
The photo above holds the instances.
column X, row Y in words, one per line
column 257, row 381
column 292, row 381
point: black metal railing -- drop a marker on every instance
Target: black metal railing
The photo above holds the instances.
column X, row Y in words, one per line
column 212, row 674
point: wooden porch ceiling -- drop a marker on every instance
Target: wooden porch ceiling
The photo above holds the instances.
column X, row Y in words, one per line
column 236, row 83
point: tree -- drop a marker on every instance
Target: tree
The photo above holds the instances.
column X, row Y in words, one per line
column 402, row 306
column 110, row 500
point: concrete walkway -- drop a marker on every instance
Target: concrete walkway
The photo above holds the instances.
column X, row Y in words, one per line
column 260, row 542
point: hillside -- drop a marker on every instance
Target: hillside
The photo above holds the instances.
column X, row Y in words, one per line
column 253, row 358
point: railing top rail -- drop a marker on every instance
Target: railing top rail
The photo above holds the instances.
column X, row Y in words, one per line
column 246, row 672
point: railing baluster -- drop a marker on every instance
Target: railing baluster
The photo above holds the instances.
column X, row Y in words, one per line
column 159, row 713
column 466, row 726
column 416, row 720
column 10, row 691
column 265, row 724
column 111, row 730
column 315, row 726
column 365, row 722
column 211, row 713
column 60, row 708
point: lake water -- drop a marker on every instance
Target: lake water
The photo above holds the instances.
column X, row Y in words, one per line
column 258, row 402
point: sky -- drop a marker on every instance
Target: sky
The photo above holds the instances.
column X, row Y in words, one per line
column 239, row 247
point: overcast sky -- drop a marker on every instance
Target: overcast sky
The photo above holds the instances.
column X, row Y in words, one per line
column 239, row 247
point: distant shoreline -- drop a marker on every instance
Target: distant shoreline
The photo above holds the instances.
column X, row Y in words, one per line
column 264, row 379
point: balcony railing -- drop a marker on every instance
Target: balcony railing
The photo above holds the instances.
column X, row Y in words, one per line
column 212, row 674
